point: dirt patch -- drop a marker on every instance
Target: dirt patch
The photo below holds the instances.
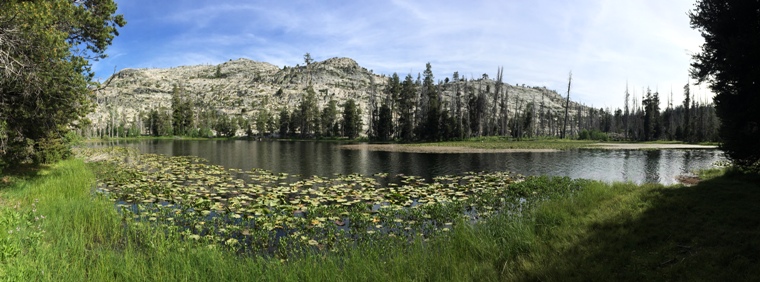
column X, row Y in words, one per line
column 436, row 149
column 688, row 180
column 633, row 146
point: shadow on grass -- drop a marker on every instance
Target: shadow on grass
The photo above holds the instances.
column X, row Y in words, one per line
column 708, row 232
column 10, row 175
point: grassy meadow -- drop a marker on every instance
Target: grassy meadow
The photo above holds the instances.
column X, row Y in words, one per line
column 56, row 226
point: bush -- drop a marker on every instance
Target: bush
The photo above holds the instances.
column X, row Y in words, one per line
column 51, row 150
column 593, row 135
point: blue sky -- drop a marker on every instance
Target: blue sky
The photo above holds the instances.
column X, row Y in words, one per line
column 603, row 42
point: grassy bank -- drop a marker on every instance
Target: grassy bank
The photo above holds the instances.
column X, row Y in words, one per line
column 613, row 232
column 509, row 143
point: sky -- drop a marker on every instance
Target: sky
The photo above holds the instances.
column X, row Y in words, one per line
column 606, row 44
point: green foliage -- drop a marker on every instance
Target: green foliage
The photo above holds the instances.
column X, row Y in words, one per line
column 593, row 135
column 728, row 64
column 182, row 113
column 159, row 122
column 406, row 108
column 384, row 123
column 225, row 126
column 328, row 119
column 352, row 121
column 284, row 122
column 308, row 113
column 430, row 128
column 263, row 119
column 218, row 73
column 45, row 86
column 651, row 116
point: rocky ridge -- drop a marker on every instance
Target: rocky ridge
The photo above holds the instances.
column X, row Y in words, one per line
column 244, row 87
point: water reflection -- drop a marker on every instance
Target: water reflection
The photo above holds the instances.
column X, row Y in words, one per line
column 652, row 166
column 325, row 159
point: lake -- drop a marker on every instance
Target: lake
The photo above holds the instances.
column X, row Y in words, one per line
column 326, row 159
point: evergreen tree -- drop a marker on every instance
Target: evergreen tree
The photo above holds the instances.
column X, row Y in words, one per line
column 651, row 115
column 385, row 123
column 406, row 108
column 430, row 128
column 46, row 77
column 393, row 91
column 225, row 126
column 262, row 120
column 729, row 63
column 308, row 113
column 328, row 118
column 182, row 113
column 352, row 122
column 284, row 120
column 687, row 131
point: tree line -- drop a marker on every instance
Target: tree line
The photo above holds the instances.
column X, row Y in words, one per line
column 418, row 110
column 422, row 109
column 185, row 117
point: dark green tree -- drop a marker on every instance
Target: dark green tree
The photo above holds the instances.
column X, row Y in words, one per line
column 687, row 135
column 160, row 122
column 225, row 126
column 182, row 113
column 651, row 115
column 729, row 62
column 406, row 108
column 384, row 123
column 393, row 90
column 352, row 121
column 430, row 128
column 262, row 121
column 328, row 119
column 284, row 121
column 308, row 113
column 46, row 77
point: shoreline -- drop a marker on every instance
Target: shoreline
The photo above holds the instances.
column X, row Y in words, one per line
column 647, row 146
column 403, row 148
column 439, row 149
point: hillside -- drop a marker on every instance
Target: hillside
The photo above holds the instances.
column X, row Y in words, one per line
column 243, row 87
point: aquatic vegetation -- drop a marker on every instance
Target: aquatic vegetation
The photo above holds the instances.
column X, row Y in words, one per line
column 262, row 212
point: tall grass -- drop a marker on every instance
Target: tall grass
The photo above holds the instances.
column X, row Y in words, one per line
column 605, row 232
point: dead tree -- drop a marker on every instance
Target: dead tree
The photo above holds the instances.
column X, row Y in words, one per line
column 567, row 105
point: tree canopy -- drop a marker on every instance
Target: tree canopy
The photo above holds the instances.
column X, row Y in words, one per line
column 729, row 63
column 45, row 73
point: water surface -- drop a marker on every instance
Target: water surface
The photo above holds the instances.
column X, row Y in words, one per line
column 325, row 159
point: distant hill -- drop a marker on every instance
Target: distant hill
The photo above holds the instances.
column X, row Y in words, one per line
column 243, row 87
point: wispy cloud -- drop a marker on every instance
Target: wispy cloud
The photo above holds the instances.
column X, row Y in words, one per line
column 604, row 43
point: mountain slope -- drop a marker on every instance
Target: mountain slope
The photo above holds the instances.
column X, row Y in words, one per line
column 244, row 87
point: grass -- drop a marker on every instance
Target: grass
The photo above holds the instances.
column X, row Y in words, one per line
column 146, row 137
column 602, row 232
column 509, row 143
column 498, row 142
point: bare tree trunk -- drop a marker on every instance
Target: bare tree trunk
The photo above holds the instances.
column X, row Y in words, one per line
column 567, row 105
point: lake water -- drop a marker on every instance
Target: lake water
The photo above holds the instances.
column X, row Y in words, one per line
column 325, row 159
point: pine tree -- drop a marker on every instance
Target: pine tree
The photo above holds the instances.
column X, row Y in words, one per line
column 45, row 73
column 729, row 63
column 352, row 122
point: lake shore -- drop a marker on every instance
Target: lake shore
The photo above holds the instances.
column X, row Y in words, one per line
column 459, row 148
column 648, row 146
column 407, row 148
column 644, row 232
